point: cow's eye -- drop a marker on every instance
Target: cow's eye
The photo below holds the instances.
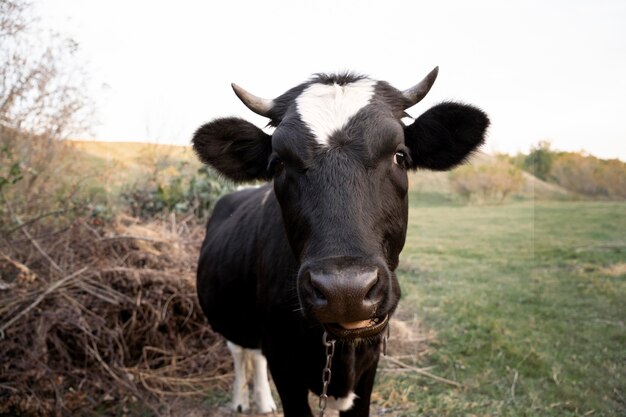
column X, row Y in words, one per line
column 401, row 159
column 275, row 165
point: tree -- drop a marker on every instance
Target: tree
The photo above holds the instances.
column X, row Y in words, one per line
column 42, row 102
column 539, row 160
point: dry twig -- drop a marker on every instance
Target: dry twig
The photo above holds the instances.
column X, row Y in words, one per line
column 423, row 372
column 51, row 288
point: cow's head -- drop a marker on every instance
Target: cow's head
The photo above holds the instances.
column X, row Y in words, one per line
column 338, row 158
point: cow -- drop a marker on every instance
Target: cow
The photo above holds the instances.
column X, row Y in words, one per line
column 306, row 262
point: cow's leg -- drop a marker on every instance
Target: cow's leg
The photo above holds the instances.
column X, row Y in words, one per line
column 363, row 391
column 262, row 393
column 292, row 388
column 241, row 394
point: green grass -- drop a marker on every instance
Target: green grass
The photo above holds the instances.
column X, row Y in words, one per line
column 528, row 301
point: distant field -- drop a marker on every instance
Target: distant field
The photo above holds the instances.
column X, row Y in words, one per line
column 119, row 164
column 130, row 153
column 527, row 302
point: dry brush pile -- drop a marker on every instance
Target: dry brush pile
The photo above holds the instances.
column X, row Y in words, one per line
column 103, row 316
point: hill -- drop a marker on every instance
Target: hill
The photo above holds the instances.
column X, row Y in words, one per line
column 122, row 163
column 438, row 183
column 131, row 153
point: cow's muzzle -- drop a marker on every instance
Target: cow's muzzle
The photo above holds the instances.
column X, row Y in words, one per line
column 346, row 295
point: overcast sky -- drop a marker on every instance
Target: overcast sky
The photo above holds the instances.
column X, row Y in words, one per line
column 551, row 70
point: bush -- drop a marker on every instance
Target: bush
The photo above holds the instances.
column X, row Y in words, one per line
column 588, row 175
column 40, row 180
column 487, row 181
column 172, row 190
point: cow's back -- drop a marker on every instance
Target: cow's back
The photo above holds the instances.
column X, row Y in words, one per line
column 226, row 279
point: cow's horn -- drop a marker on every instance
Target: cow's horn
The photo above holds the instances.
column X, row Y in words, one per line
column 416, row 93
column 258, row 105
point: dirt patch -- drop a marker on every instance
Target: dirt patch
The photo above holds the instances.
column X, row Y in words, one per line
column 615, row 270
column 408, row 339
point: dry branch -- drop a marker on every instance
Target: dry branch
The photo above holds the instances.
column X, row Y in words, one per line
column 132, row 237
column 40, row 249
column 422, row 372
column 51, row 288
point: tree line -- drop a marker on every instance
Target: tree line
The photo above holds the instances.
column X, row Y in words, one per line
column 580, row 174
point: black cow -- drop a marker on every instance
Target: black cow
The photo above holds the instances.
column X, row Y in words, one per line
column 316, row 248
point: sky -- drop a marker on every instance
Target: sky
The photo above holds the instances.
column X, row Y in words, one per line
column 543, row 70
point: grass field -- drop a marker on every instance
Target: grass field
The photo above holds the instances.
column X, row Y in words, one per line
column 528, row 302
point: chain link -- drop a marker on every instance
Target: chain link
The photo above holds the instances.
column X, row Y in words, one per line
column 327, row 373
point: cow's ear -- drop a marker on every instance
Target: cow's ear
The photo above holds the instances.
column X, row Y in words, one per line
column 445, row 135
column 236, row 148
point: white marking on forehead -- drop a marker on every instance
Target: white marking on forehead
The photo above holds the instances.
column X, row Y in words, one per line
column 327, row 108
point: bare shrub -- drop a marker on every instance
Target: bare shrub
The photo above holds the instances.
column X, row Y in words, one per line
column 486, row 181
column 42, row 101
column 43, row 86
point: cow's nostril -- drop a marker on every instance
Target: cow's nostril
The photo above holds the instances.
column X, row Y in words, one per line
column 369, row 282
column 317, row 290
column 318, row 294
column 372, row 293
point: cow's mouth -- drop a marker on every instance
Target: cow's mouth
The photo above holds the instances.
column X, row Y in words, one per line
column 358, row 329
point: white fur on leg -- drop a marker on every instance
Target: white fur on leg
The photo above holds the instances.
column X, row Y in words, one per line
column 241, row 395
column 262, row 393
column 343, row 403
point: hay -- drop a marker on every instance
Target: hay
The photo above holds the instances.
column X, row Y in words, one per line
column 100, row 316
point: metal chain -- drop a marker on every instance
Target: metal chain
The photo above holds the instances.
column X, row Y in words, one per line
column 326, row 374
